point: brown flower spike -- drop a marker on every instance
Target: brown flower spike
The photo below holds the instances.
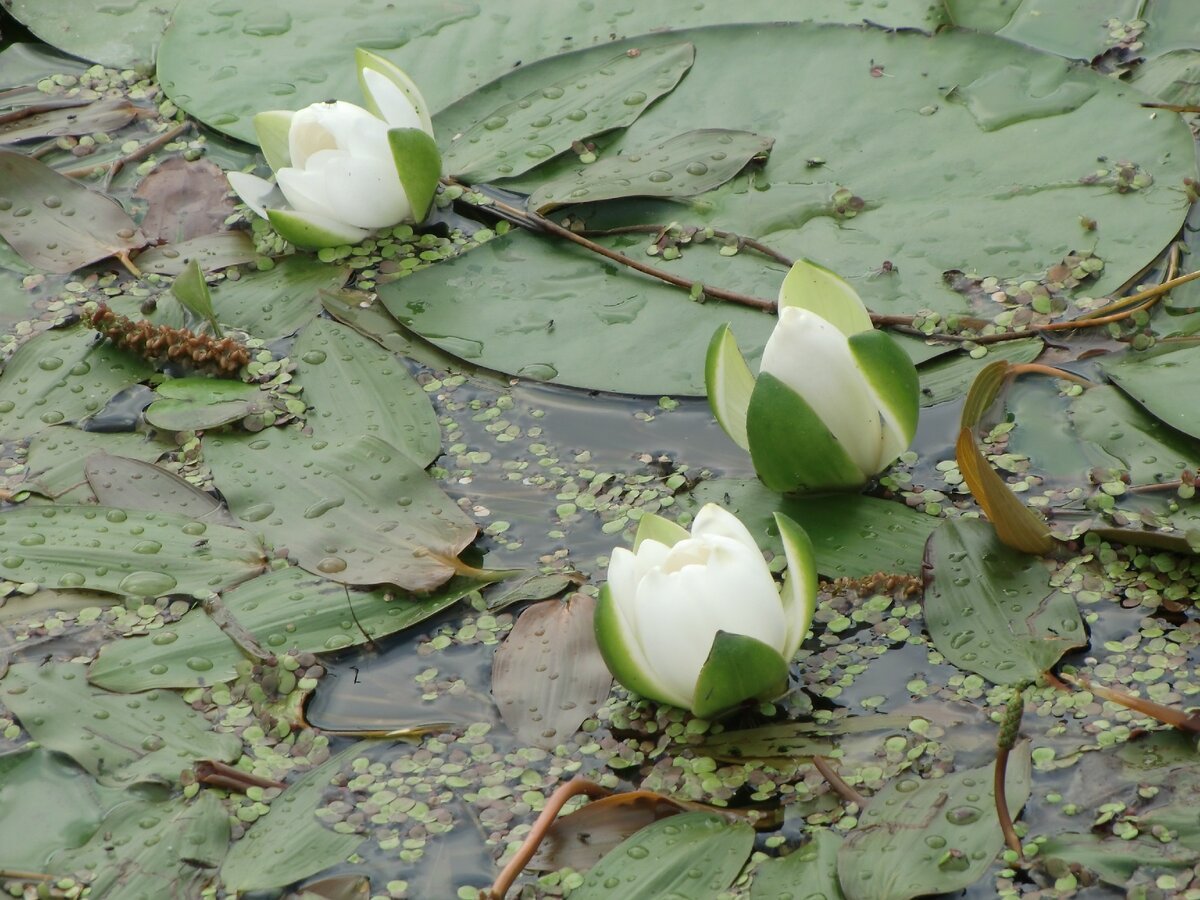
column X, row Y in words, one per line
column 161, row 343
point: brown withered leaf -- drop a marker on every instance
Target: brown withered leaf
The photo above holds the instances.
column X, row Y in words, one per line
column 548, row 676
column 186, row 199
column 55, row 120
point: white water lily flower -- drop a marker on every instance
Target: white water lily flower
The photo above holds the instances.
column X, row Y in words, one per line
column 345, row 171
column 696, row 620
column 835, row 402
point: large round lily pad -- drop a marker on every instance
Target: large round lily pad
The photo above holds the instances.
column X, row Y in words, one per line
column 968, row 152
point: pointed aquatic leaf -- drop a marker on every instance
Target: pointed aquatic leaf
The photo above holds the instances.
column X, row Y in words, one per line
column 271, row 128
column 729, row 384
column 853, row 535
column 983, row 392
column 790, row 445
column 1016, row 524
column 213, row 251
column 1113, row 859
column 1162, row 383
column 950, row 377
column 108, row 114
column 813, row 865
column 513, row 138
column 888, row 856
column 195, row 404
column 365, row 60
column 309, row 231
column 186, row 199
column 354, row 386
column 693, row 854
column 419, row 164
column 62, row 376
column 124, row 551
column 612, row 637
column 152, row 740
column 548, row 675
column 683, row 166
column 892, row 376
column 356, row 511
column 815, row 288
column 287, row 610
column 117, row 480
column 738, row 668
column 991, row 610
column 290, row 843
column 657, row 528
column 57, row 224
column 56, row 459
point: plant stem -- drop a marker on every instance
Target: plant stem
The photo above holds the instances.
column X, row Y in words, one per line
column 1009, row 728
column 843, row 790
column 1053, row 372
column 142, row 150
column 537, row 834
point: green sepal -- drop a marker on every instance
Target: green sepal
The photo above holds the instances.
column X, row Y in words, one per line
column 610, row 638
column 729, row 383
column 365, row 59
column 738, row 668
column 313, row 232
column 419, row 164
column 893, row 377
column 799, row 594
column 815, row 288
column 656, row 528
column 271, row 128
column 790, row 446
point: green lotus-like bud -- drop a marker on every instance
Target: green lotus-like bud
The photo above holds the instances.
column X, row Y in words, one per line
column 835, row 401
column 696, row 620
column 342, row 171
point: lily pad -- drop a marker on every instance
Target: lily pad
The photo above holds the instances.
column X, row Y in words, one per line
column 57, row 224
column 355, row 511
column 195, row 404
column 121, row 742
column 991, row 610
column 120, row 35
column 930, row 837
column 211, row 251
column 948, row 377
column 1161, row 382
column 57, row 457
column 946, row 163
column 287, row 610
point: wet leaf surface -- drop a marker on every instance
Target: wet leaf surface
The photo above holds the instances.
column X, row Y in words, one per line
column 814, row 866
column 195, row 404
column 122, row 35
column 79, row 118
column 117, row 480
column 120, row 740
column 356, row 511
column 57, row 459
column 57, row 224
column 949, row 377
column 1160, row 382
column 548, row 676
column 991, row 610
column 286, row 610
column 929, row 837
column 185, row 200
column 212, row 251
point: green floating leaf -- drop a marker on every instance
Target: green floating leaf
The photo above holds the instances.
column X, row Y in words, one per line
column 514, row 138
column 1113, row 859
column 211, row 251
column 109, row 114
column 813, row 865
column 56, row 459
column 120, row 35
column 354, row 386
column 287, row 610
column 692, row 855
column 1171, row 78
column 62, row 377
column 930, row 837
column 355, row 511
column 124, row 551
column 128, row 483
column 853, row 535
column 1161, row 382
column 289, row 843
column 548, row 675
column 279, row 301
column 117, row 741
column 194, row 404
column 54, row 222
column 991, row 610
column 683, row 166
column 149, row 848
column 1072, row 28
column 949, row 377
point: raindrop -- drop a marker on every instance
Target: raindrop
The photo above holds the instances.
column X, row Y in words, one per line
column 151, row 743
column 314, row 357
column 199, row 663
column 146, row 584
column 52, row 202
column 147, row 547
column 577, row 115
column 32, row 540
column 639, row 852
column 962, row 815
column 495, row 122
column 697, row 168
column 637, row 98
column 658, row 176
column 907, row 785
column 331, row 564
column 71, row 580
column 164, row 637
column 116, row 515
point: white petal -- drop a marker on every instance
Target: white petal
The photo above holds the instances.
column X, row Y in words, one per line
column 305, row 190
column 393, row 105
column 813, row 358
column 362, row 192
column 714, row 520
column 333, row 126
column 651, row 554
column 253, row 190
column 307, row 135
column 622, row 577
